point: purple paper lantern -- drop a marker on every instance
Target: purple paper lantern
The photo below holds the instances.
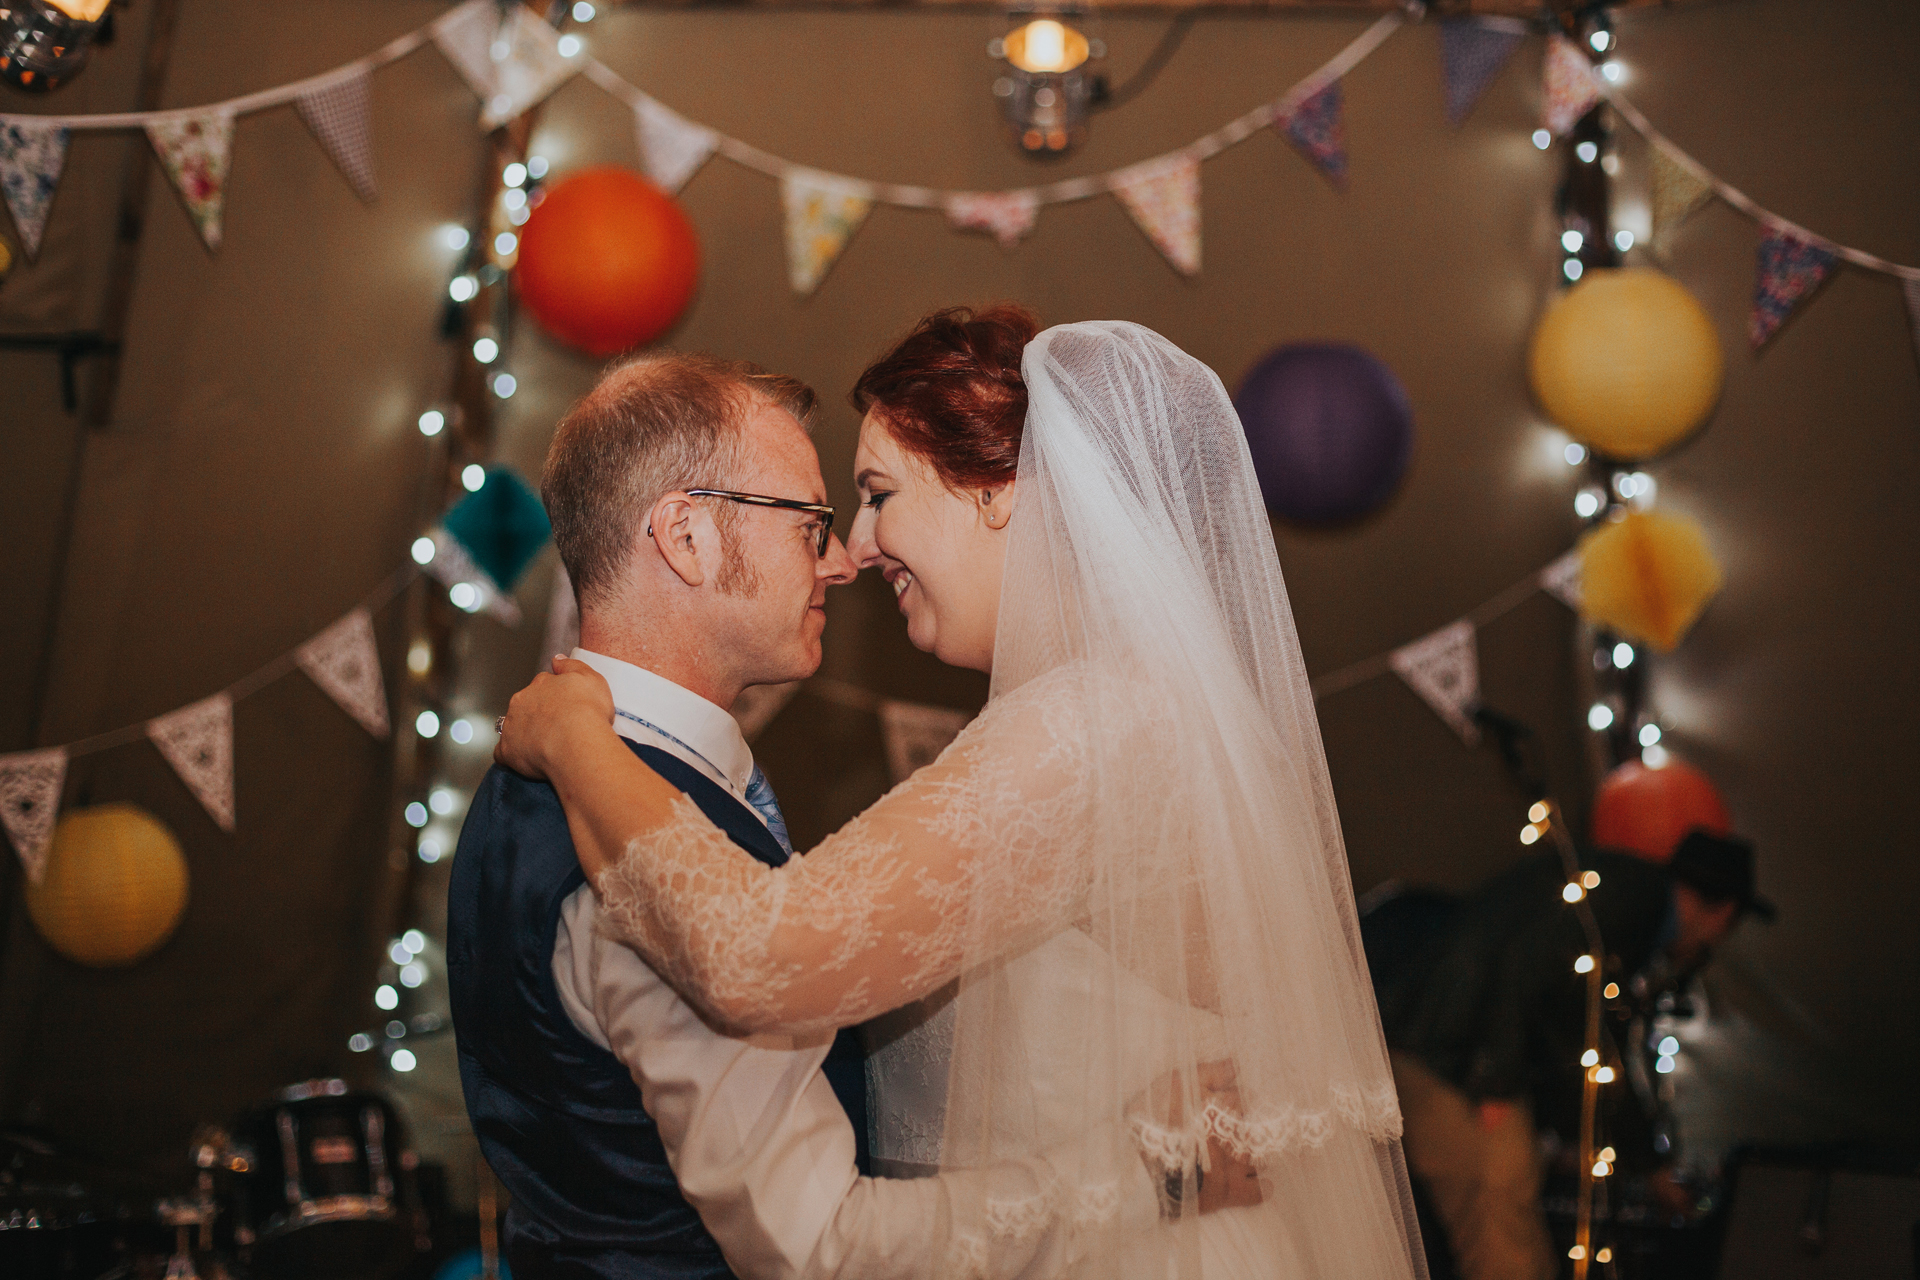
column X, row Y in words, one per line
column 1330, row 429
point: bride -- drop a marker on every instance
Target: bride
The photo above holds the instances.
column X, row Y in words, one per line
column 1128, row 867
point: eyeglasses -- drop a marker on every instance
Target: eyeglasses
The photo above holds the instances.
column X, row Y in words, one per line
column 820, row 538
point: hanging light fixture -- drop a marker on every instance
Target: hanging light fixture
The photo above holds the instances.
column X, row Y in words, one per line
column 1047, row 92
column 45, row 43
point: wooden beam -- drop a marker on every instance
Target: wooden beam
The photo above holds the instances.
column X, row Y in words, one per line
column 1438, row 8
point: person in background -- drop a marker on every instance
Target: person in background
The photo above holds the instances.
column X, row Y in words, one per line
column 1485, row 1020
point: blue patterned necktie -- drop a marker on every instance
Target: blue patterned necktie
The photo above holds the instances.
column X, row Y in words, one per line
column 760, row 796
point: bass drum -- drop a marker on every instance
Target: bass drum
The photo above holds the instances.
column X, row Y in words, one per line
column 328, row 1192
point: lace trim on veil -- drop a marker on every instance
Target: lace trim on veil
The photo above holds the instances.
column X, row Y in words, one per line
column 1374, row 1112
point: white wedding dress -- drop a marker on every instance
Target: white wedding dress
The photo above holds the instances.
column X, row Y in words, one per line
column 1112, row 921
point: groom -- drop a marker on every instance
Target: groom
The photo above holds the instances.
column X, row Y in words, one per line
column 637, row 1141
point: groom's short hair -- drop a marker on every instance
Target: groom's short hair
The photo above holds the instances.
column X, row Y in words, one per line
column 652, row 424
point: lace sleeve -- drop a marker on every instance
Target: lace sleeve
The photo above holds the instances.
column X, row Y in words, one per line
column 982, row 849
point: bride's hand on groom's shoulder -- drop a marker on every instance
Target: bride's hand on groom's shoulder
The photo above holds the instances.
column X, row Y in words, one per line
column 549, row 714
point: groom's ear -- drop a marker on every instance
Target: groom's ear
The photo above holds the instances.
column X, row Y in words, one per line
column 679, row 530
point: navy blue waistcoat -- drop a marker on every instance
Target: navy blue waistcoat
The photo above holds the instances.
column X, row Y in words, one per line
column 558, row 1117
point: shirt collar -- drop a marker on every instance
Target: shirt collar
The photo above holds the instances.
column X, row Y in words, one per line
column 679, row 711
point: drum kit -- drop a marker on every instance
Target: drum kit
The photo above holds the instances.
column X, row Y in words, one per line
column 315, row 1184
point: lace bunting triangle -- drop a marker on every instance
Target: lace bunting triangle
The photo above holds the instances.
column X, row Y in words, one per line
column 1568, row 86
column 509, row 58
column 197, row 741
column 1561, row 580
column 1444, row 669
column 1472, row 53
column 31, row 157
column 452, row 564
column 1790, row 268
column 345, row 662
column 1165, row 203
column 916, row 734
column 340, row 116
column 672, row 147
column 821, row 218
column 194, row 151
column 30, row 784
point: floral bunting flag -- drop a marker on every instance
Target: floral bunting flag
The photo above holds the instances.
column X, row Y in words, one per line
column 1678, row 192
column 1317, row 126
column 1791, row 267
column 340, row 114
column 1472, row 53
column 345, row 662
column 30, row 784
column 1912, row 288
column 509, row 58
column 672, row 147
column 1569, row 87
column 1008, row 215
column 821, row 218
column 31, row 157
column 1561, row 580
column 194, row 149
column 916, row 735
column 197, row 741
column 1165, row 203
column 1444, row 669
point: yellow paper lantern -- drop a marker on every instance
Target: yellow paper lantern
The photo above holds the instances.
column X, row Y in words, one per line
column 1626, row 362
column 1647, row 576
column 114, row 886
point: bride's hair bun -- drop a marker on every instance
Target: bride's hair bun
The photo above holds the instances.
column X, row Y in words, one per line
column 951, row 392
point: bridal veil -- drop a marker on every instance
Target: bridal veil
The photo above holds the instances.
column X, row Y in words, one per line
column 1213, row 985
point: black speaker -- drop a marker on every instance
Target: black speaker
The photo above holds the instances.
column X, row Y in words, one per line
column 1822, row 1214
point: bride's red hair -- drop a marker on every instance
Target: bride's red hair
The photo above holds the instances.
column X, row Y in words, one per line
column 951, row 392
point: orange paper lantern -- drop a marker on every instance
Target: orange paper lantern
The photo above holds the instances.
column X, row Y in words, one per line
column 607, row 261
column 1626, row 361
column 1649, row 811
column 1647, row 575
column 114, row 887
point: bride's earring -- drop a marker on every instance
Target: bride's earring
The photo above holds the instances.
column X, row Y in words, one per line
column 994, row 520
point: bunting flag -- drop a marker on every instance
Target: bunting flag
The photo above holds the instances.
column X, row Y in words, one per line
column 1472, row 53
column 672, row 147
column 197, row 741
column 452, row 564
column 1317, row 127
column 1678, row 192
column 563, row 620
column 345, row 662
column 340, row 114
column 1791, row 267
column 1008, row 215
column 821, row 217
column 30, row 784
column 1444, row 669
column 1569, row 87
column 1912, row 288
column 758, row 704
column 511, row 61
column 915, row 735
column 1561, row 580
column 193, row 149
column 1165, row 203
column 31, row 157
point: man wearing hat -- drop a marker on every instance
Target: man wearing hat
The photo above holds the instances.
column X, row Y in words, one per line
column 1485, row 1016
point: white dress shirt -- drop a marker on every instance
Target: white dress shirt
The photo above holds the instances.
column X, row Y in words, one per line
column 759, row 1143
